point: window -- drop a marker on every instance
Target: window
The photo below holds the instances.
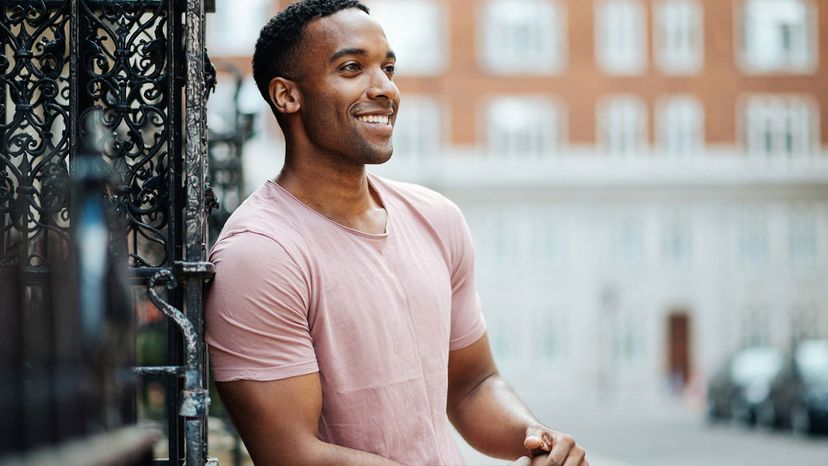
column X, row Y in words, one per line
column 802, row 237
column 523, row 36
column 622, row 128
column 234, row 31
column 551, row 336
column 781, row 126
column 620, row 36
column 502, row 244
column 548, row 241
column 416, row 31
column 778, row 35
column 628, row 337
column 503, row 341
column 753, row 238
column 627, row 240
column 679, row 40
column 805, row 321
column 677, row 240
column 680, row 126
column 417, row 129
column 755, row 325
column 526, row 126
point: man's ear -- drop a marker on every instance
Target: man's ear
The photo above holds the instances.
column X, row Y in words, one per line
column 284, row 95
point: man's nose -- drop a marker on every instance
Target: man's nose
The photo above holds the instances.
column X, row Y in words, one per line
column 382, row 86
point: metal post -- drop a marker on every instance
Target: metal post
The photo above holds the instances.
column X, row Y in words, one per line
column 196, row 398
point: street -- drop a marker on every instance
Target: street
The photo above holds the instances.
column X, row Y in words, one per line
column 666, row 433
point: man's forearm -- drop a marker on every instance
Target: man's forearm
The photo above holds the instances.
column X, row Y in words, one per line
column 323, row 454
column 328, row 453
column 493, row 419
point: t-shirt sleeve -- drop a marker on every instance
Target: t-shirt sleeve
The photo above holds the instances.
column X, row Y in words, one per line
column 256, row 312
column 467, row 324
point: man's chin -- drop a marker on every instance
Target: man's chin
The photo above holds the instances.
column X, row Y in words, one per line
column 380, row 156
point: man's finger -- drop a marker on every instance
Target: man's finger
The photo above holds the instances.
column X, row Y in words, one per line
column 577, row 457
column 537, row 440
column 560, row 450
column 534, row 442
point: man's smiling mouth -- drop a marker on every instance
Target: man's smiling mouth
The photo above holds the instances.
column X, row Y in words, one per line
column 375, row 119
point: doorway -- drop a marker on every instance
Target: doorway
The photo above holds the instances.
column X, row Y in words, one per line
column 678, row 344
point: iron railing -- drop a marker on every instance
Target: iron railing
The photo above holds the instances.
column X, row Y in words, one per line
column 123, row 82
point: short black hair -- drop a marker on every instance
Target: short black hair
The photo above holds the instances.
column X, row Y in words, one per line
column 281, row 39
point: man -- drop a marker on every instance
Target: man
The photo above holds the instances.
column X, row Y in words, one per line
column 343, row 323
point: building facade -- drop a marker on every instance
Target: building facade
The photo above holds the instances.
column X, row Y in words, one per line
column 646, row 181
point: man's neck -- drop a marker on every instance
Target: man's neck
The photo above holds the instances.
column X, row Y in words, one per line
column 341, row 194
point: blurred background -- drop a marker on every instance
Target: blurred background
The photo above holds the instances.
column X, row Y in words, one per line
column 646, row 182
column 646, row 186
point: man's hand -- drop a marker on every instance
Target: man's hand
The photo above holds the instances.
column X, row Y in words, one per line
column 551, row 448
column 493, row 420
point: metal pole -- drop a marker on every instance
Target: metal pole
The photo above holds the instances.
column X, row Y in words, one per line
column 195, row 400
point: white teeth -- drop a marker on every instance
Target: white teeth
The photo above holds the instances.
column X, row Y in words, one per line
column 378, row 119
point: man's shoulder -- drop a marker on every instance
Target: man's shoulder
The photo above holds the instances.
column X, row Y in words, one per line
column 265, row 213
column 415, row 195
column 428, row 208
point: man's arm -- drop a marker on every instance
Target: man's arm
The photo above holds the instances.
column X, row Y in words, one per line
column 278, row 421
column 491, row 417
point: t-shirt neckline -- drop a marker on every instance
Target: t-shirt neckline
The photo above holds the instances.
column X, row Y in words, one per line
column 371, row 184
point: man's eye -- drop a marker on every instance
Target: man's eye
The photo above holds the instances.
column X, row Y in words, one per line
column 350, row 67
column 390, row 69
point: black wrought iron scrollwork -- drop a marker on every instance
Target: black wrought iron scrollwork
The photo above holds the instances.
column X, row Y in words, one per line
column 123, row 79
column 125, row 66
column 33, row 176
column 135, row 71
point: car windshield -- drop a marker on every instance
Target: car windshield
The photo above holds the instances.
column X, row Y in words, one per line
column 756, row 364
column 812, row 357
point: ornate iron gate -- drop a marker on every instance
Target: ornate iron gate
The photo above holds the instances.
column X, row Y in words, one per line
column 125, row 83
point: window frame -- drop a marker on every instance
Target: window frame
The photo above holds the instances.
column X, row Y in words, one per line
column 434, row 147
column 774, row 105
column 555, row 38
column 662, row 110
column 753, row 238
column 217, row 38
column 549, row 146
column 442, row 49
column 799, row 216
column 740, row 39
column 603, row 115
column 661, row 53
column 604, row 58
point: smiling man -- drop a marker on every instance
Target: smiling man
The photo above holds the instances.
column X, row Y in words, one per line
column 343, row 322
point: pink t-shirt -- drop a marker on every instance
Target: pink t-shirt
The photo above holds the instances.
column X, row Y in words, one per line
column 375, row 315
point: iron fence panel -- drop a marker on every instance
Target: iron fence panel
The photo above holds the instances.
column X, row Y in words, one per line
column 123, row 80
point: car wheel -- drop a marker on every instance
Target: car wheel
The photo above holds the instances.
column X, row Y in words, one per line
column 766, row 416
column 801, row 422
column 740, row 412
column 713, row 414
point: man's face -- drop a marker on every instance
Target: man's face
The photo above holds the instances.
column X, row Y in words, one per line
column 348, row 99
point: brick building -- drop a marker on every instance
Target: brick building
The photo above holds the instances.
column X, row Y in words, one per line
column 646, row 180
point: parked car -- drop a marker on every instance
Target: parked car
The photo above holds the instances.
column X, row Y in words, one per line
column 742, row 384
column 798, row 396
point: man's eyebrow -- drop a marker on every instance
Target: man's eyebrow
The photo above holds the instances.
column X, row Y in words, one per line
column 348, row 51
column 357, row 51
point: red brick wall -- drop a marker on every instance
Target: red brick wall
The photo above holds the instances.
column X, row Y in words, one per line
column 719, row 84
